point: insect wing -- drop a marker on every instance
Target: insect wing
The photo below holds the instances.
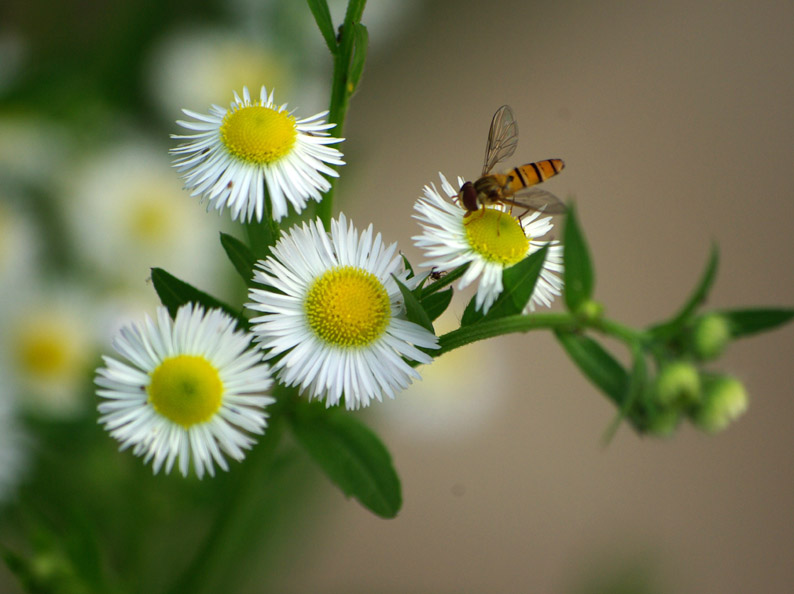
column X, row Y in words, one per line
column 536, row 199
column 502, row 138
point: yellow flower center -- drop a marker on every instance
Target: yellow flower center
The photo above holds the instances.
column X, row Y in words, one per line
column 44, row 351
column 258, row 134
column 348, row 307
column 496, row 236
column 185, row 389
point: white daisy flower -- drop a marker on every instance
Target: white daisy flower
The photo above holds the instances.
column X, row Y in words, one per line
column 489, row 241
column 236, row 153
column 332, row 314
column 191, row 389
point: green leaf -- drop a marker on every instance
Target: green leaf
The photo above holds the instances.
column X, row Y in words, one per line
column 262, row 236
column 596, row 363
column 518, row 283
column 413, row 308
column 240, row 256
column 355, row 9
column 351, row 455
column 471, row 315
column 407, row 266
column 444, row 280
column 436, row 303
column 744, row 322
column 322, row 16
column 635, row 391
column 676, row 323
column 175, row 293
column 578, row 276
column 361, row 40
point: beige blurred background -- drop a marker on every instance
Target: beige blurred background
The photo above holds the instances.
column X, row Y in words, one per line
column 675, row 121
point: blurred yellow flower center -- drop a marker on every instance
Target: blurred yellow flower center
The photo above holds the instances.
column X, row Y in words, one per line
column 258, row 134
column 348, row 307
column 496, row 236
column 149, row 220
column 44, row 352
column 186, row 390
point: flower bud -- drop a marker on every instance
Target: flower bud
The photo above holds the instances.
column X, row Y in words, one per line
column 710, row 336
column 678, row 385
column 664, row 422
column 590, row 310
column 724, row 400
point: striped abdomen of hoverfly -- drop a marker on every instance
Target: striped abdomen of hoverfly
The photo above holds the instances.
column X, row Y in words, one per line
column 495, row 186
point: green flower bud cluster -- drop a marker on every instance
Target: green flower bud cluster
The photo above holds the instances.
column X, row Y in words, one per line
column 711, row 401
column 709, row 336
column 682, row 389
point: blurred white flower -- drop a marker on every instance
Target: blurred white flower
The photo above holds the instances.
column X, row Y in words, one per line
column 127, row 212
column 386, row 22
column 453, row 401
column 194, row 68
column 47, row 347
column 19, row 249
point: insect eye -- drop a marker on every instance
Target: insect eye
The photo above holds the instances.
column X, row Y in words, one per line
column 468, row 196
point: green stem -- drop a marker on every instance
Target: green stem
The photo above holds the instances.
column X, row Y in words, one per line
column 524, row 323
column 507, row 325
column 621, row 331
column 341, row 91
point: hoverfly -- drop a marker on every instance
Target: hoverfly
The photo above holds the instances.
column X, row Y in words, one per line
column 514, row 187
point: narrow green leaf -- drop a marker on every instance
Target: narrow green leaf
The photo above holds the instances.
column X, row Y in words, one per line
column 744, row 322
column 322, row 16
column 262, row 236
column 596, row 363
column 407, row 266
column 355, row 8
column 361, row 40
column 413, row 308
column 436, row 303
column 351, row 455
column 676, row 323
column 240, row 256
column 174, row 293
column 578, row 276
column 518, row 283
column 635, row 391
column 444, row 279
